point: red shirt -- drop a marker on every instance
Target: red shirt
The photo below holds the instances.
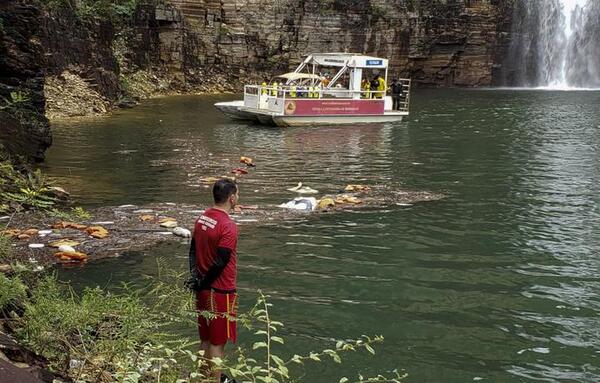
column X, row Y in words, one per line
column 215, row 229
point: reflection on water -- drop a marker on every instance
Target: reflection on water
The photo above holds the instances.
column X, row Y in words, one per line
column 498, row 282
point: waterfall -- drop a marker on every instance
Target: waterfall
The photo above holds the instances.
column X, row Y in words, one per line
column 555, row 44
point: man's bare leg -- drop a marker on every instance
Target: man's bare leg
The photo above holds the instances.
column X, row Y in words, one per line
column 216, row 351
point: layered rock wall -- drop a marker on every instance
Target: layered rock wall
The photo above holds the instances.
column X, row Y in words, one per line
column 24, row 129
column 436, row 42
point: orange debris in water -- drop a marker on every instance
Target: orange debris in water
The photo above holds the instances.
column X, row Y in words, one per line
column 70, row 256
column 97, row 232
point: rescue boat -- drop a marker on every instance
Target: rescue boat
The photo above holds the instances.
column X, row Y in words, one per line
column 325, row 89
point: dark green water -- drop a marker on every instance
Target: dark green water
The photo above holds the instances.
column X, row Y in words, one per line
column 498, row 282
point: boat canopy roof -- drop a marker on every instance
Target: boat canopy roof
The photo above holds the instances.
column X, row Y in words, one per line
column 294, row 76
column 351, row 60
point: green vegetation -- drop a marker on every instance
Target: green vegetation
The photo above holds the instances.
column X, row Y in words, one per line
column 16, row 98
column 22, row 188
column 119, row 12
column 128, row 336
column 12, row 290
column 74, row 214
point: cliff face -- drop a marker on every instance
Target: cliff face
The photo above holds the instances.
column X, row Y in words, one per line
column 24, row 129
column 65, row 65
column 436, row 42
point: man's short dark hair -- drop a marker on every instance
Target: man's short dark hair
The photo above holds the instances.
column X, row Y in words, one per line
column 223, row 189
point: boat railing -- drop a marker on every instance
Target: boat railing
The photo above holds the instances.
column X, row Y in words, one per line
column 273, row 98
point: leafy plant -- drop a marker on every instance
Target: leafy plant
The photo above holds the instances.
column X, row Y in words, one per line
column 24, row 188
column 11, row 291
column 74, row 214
column 16, row 98
column 128, row 336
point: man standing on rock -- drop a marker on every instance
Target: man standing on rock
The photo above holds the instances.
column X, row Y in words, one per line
column 213, row 264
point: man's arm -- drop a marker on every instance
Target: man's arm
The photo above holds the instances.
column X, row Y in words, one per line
column 215, row 270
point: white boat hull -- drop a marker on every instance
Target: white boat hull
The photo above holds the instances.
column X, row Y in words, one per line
column 232, row 109
column 336, row 120
column 237, row 110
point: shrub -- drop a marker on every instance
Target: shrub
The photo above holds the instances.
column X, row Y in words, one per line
column 12, row 290
column 128, row 337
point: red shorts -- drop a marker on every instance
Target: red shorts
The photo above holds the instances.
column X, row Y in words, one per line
column 217, row 330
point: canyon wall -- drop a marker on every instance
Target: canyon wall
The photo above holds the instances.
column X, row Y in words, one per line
column 68, row 65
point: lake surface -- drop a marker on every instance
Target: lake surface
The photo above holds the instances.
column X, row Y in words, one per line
column 498, row 282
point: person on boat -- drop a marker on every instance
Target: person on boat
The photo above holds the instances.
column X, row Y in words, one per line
column 374, row 84
column 213, row 265
column 325, row 81
column 366, row 87
column 263, row 87
column 396, row 94
column 381, row 86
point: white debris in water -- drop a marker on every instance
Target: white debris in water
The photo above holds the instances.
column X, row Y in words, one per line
column 143, row 211
column 36, row 245
column 164, row 233
column 66, row 249
column 103, row 223
column 539, row 350
column 182, row 232
column 403, row 204
column 4, row 218
column 125, row 206
column 44, row 232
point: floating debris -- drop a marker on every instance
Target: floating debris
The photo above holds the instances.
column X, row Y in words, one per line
column 36, row 245
column 63, row 242
column 97, row 232
column 347, row 199
column 247, row 161
column 103, row 223
column 325, row 203
column 300, row 189
column 71, row 256
column 301, row 203
column 182, row 232
column 69, row 225
column 357, row 188
column 169, row 224
column 239, row 171
column 66, row 249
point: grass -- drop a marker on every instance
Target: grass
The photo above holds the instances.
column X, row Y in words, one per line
column 125, row 336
